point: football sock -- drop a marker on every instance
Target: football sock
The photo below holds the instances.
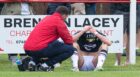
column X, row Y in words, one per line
column 101, row 58
column 74, row 59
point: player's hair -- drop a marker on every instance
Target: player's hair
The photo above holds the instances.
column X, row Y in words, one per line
column 63, row 10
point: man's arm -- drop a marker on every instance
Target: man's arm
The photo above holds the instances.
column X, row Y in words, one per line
column 63, row 32
column 101, row 37
column 77, row 36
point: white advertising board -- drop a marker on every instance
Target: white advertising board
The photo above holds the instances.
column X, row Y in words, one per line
column 14, row 29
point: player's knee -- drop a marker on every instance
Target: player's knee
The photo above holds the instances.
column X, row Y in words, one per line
column 104, row 46
column 75, row 45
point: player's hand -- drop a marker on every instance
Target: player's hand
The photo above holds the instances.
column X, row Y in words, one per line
column 87, row 28
column 93, row 30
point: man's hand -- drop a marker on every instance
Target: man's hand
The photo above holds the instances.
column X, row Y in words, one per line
column 87, row 28
column 93, row 30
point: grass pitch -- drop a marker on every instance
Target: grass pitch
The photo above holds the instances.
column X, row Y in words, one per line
column 7, row 69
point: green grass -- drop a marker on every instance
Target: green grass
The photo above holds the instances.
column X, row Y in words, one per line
column 9, row 70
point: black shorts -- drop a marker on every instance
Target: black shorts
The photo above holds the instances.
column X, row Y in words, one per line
column 138, row 21
column 126, row 20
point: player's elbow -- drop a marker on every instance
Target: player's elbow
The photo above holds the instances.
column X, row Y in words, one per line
column 74, row 39
column 109, row 43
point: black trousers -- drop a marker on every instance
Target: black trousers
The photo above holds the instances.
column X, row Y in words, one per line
column 55, row 52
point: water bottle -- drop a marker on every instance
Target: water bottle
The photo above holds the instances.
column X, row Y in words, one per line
column 19, row 65
column 18, row 62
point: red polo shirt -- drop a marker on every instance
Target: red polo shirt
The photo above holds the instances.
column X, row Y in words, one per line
column 46, row 31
